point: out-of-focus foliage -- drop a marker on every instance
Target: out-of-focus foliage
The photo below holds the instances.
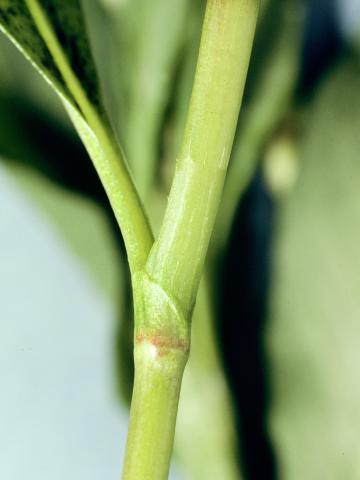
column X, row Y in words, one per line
column 314, row 331
column 58, row 413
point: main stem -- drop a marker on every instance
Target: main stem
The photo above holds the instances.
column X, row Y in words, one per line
column 165, row 290
column 157, row 388
column 162, row 343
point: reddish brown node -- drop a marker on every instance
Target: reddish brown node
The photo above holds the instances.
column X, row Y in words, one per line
column 162, row 343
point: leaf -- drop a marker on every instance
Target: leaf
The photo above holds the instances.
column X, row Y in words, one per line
column 151, row 36
column 61, row 52
column 51, row 34
column 314, row 332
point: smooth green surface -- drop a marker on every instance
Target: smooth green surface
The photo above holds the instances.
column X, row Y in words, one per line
column 159, row 365
column 162, row 341
column 121, row 192
column 177, row 258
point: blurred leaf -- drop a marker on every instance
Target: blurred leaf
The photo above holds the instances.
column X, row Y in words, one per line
column 205, row 396
column 151, row 38
column 315, row 329
column 181, row 94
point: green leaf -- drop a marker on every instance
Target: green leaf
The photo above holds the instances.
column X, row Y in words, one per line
column 51, row 34
column 315, row 330
column 61, row 53
column 151, row 37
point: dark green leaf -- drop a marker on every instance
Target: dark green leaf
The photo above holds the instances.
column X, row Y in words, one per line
column 51, row 34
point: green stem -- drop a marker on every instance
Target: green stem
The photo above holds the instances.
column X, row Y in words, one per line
column 158, row 375
column 161, row 351
column 165, row 292
column 267, row 108
column 177, row 257
column 109, row 163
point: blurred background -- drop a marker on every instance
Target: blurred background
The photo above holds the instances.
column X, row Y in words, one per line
column 272, row 388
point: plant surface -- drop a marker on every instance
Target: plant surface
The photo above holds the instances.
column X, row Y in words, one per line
column 279, row 291
column 166, row 272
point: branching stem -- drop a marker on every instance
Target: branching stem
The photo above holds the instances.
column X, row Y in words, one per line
column 165, row 291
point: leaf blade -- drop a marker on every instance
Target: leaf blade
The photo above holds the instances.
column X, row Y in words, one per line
column 52, row 35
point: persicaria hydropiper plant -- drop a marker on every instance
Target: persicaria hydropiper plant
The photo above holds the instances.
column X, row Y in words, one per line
column 165, row 271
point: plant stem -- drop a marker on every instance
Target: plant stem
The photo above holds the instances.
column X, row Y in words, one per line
column 153, row 409
column 165, row 291
column 161, row 350
column 110, row 165
column 267, row 108
column 177, row 257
